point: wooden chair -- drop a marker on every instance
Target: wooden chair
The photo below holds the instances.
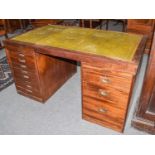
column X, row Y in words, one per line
column 3, row 30
column 42, row 22
column 69, row 22
column 122, row 21
column 91, row 23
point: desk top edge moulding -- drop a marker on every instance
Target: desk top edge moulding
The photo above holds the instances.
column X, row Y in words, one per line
column 43, row 59
column 85, row 40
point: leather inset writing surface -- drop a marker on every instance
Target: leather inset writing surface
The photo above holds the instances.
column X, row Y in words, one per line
column 116, row 45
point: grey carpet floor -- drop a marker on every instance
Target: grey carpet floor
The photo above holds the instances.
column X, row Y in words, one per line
column 62, row 112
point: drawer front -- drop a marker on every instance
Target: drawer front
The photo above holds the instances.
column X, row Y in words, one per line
column 28, row 91
column 27, row 84
column 111, row 70
column 103, row 113
column 25, row 60
column 22, row 56
column 17, row 50
column 106, row 94
column 25, row 66
column 25, row 75
column 108, row 80
column 104, row 108
column 40, row 99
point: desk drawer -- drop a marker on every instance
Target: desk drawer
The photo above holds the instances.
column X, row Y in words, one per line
column 103, row 113
column 107, row 69
column 106, row 94
column 27, row 83
column 23, row 60
column 28, row 91
column 21, row 56
column 108, row 80
column 23, row 74
column 104, row 108
column 17, row 50
column 25, row 66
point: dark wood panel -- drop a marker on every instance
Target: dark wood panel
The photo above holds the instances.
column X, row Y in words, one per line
column 151, row 106
column 145, row 113
column 13, row 24
column 144, row 27
column 53, row 72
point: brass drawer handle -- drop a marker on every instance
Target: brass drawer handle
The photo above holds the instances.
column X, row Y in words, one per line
column 24, row 71
column 23, row 66
column 21, row 55
column 22, row 60
column 103, row 110
column 25, row 76
column 28, row 86
column 104, row 79
column 103, row 92
column 29, row 90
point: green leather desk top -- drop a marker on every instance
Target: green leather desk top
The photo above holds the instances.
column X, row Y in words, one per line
column 116, row 45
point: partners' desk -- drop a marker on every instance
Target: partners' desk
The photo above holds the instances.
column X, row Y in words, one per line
column 43, row 59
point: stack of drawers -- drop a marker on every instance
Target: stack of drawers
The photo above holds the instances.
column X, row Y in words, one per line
column 106, row 96
column 23, row 65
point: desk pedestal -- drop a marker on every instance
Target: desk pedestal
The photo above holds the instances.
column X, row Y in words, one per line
column 36, row 75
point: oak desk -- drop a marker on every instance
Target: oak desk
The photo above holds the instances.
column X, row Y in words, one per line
column 43, row 59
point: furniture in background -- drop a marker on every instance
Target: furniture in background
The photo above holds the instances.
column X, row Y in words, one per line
column 40, row 67
column 145, row 114
column 122, row 21
column 91, row 23
column 69, row 22
column 144, row 27
column 42, row 22
column 3, row 30
column 14, row 24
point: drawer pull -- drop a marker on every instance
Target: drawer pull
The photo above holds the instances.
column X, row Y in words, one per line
column 21, row 60
column 29, row 90
column 28, row 86
column 105, row 80
column 103, row 110
column 26, row 72
column 25, row 76
column 103, row 92
column 21, row 55
column 23, row 66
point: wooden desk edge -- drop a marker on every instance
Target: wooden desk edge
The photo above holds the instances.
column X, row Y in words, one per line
column 83, row 57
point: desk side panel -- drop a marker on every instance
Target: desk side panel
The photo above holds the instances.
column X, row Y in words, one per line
column 53, row 73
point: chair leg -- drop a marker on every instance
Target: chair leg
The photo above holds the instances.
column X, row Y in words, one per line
column 1, row 46
column 6, row 35
column 90, row 23
column 100, row 23
column 124, row 27
column 107, row 24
